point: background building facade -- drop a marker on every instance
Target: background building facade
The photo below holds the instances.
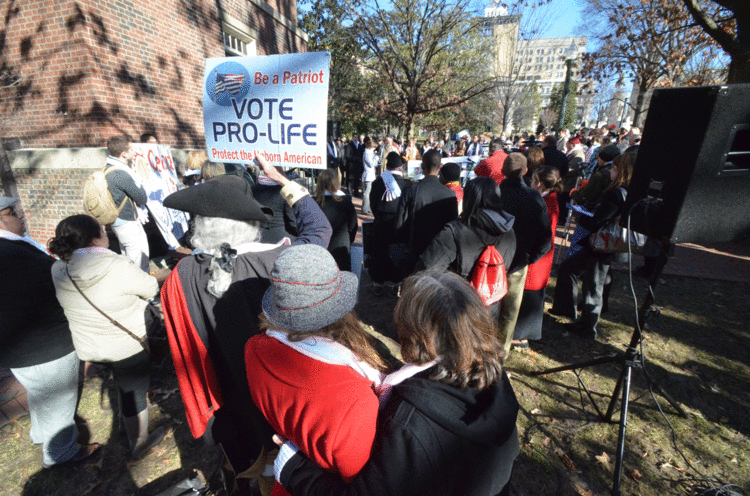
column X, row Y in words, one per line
column 522, row 64
column 73, row 73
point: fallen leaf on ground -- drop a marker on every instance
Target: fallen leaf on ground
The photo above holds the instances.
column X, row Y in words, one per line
column 670, row 465
column 635, row 474
column 566, row 460
column 603, row 458
column 536, row 411
column 582, row 490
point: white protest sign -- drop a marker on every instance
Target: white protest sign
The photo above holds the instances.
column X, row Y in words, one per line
column 155, row 167
column 275, row 105
column 414, row 167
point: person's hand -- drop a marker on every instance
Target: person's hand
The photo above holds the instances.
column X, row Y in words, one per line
column 271, row 171
column 279, row 439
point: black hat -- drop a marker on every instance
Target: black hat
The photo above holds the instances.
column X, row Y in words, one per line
column 393, row 161
column 451, row 172
column 608, row 153
column 229, row 197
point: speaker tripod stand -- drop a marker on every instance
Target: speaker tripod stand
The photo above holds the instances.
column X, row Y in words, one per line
column 629, row 360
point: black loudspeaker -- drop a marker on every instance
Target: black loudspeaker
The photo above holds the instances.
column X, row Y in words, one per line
column 691, row 180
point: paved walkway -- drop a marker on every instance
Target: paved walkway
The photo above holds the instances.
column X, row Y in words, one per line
column 720, row 261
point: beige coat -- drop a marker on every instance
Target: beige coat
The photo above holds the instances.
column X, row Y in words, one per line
column 118, row 288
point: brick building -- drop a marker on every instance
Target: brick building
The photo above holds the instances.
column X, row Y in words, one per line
column 74, row 72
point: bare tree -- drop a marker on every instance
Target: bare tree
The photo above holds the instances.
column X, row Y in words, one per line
column 651, row 42
column 514, row 32
column 548, row 117
column 727, row 22
column 426, row 55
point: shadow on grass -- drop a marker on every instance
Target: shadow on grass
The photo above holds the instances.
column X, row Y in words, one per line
column 112, row 472
column 700, row 357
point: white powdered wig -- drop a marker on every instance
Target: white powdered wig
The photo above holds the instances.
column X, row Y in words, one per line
column 210, row 233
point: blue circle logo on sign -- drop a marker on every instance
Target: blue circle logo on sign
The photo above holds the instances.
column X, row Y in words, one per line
column 226, row 81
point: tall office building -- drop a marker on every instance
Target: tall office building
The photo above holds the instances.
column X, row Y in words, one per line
column 519, row 62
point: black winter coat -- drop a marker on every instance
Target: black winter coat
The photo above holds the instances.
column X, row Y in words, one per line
column 555, row 158
column 532, row 227
column 283, row 223
column 432, row 439
column 33, row 327
column 343, row 218
column 458, row 246
column 423, row 211
column 385, row 211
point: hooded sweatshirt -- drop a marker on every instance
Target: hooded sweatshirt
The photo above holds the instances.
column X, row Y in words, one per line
column 458, row 246
column 118, row 288
column 433, row 439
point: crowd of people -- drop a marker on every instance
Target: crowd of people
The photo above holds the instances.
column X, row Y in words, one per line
column 267, row 349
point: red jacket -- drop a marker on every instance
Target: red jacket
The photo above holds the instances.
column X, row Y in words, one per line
column 492, row 166
column 193, row 367
column 329, row 411
column 538, row 275
column 456, row 188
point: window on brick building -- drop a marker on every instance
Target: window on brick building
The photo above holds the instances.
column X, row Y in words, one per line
column 237, row 43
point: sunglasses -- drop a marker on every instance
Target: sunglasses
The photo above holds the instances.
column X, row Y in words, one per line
column 11, row 211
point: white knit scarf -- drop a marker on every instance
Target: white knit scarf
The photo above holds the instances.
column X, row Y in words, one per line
column 392, row 191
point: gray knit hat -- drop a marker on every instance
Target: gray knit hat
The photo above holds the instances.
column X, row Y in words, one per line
column 308, row 291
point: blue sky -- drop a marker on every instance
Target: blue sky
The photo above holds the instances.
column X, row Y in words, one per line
column 568, row 21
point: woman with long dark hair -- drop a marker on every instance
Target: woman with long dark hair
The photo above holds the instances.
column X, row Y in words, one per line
column 482, row 222
column 535, row 158
column 95, row 286
column 591, row 266
column 339, row 210
column 448, row 425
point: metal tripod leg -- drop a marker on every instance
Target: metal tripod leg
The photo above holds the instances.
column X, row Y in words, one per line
column 623, row 426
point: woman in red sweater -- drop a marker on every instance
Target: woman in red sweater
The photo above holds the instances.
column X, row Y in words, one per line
column 547, row 181
column 313, row 373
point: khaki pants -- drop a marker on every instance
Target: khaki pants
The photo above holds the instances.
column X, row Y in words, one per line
column 510, row 306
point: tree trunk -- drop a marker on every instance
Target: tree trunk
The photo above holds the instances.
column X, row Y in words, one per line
column 638, row 110
column 739, row 67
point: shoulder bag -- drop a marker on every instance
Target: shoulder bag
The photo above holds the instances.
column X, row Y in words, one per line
column 142, row 341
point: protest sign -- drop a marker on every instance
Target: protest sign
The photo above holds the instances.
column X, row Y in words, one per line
column 275, row 105
column 154, row 165
column 414, row 167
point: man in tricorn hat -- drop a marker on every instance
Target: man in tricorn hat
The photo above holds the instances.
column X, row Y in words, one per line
column 212, row 300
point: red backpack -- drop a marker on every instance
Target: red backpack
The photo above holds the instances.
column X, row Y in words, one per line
column 488, row 276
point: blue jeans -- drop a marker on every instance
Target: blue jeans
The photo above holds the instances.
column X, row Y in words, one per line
column 52, row 394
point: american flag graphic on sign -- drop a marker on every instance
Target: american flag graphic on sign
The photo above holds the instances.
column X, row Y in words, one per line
column 229, row 82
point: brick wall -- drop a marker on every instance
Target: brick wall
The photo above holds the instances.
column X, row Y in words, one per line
column 84, row 70
column 48, row 196
column 74, row 72
column 50, row 183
